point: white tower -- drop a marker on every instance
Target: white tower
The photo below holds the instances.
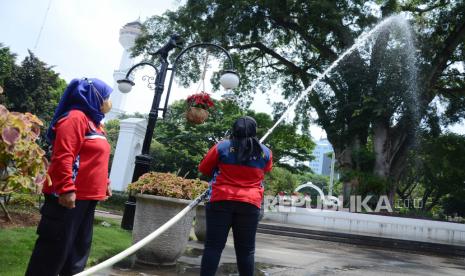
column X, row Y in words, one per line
column 127, row 38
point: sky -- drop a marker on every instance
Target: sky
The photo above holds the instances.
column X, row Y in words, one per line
column 80, row 39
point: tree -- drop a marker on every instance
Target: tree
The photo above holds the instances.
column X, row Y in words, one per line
column 287, row 43
column 34, row 87
column 179, row 146
column 280, row 180
column 7, row 62
column 439, row 178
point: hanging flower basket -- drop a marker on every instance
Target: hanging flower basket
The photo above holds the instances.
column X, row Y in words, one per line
column 198, row 105
column 196, row 115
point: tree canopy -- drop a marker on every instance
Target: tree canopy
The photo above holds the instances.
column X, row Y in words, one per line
column 7, row 62
column 437, row 175
column 181, row 146
column 363, row 106
column 34, row 87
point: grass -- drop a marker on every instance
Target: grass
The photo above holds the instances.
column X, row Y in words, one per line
column 16, row 245
column 108, row 241
column 115, row 204
column 15, row 250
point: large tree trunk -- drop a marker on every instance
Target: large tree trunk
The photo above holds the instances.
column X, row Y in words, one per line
column 383, row 153
column 391, row 147
column 381, row 150
column 344, row 156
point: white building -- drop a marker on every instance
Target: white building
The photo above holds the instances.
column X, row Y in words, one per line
column 127, row 37
column 132, row 130
column 322, row 162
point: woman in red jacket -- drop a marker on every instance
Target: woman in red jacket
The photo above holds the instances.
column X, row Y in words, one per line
column 79, row 179
column 237, row 167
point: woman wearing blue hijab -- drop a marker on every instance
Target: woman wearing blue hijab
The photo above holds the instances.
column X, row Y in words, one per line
column 78, row 179
column 80, row 94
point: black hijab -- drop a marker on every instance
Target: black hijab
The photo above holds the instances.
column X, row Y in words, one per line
column 244, row 139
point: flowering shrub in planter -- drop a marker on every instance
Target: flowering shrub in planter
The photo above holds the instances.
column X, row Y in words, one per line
column 160, row 197
column 168, row 185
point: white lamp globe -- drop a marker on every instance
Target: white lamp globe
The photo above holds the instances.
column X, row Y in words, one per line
column 125, row 85
column 229, row 79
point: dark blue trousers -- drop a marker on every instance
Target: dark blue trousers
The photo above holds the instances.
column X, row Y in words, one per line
column 243, row 219
column 65, row 237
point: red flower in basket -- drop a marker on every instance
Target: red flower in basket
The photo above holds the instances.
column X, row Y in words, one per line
column 200, row 100
column 198, row 105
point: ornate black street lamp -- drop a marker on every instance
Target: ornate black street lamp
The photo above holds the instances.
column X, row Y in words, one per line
column 229, row 80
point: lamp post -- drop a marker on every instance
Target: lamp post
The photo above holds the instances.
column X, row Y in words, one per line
column 331, row 176
column 229, row 80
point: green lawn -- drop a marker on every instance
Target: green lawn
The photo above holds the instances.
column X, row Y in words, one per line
column 16, row 245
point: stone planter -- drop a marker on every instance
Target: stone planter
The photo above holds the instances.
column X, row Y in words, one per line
column 200, row 227
column 151, row 213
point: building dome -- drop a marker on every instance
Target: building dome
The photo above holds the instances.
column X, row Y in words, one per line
column 129, row 32
column 133, row 24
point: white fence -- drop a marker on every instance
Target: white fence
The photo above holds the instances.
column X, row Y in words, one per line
column 373, row 225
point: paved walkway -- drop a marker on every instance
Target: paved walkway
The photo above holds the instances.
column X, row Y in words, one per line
column 294, row 256
column 105, row 214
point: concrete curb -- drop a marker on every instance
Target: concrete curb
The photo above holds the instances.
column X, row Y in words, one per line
column 405, row 245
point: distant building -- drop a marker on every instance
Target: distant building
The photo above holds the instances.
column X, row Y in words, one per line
column 326, row 167
column 322, row 153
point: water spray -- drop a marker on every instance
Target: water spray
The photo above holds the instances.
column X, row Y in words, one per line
column 358, row 42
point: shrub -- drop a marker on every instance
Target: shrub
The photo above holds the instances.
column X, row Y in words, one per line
column 168, row 185
column 24, row 200
column 454, row 204
column 115, row 202
column 22, row 163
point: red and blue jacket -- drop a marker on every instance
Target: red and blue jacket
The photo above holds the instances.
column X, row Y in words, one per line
column 232, row 180
column 79, row 160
